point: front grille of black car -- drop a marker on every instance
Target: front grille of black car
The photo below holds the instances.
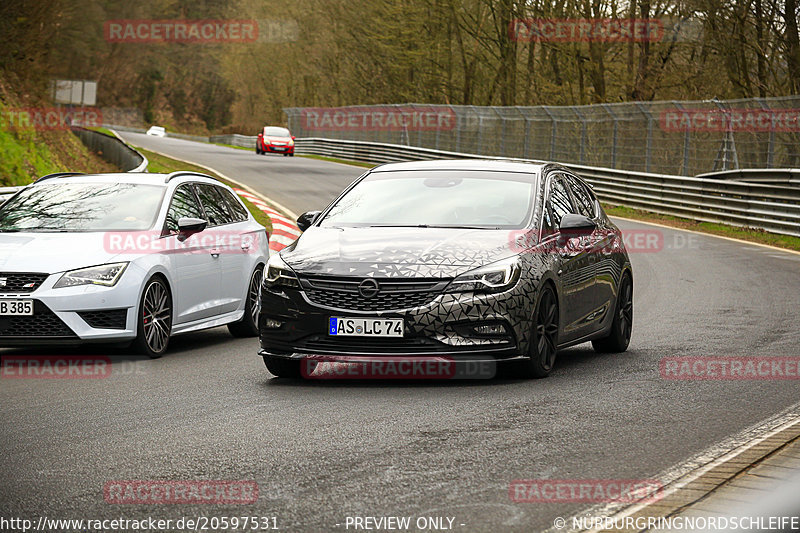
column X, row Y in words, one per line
column 393, row 294
column 43, row 323
column 21, row 281
column 110, row 319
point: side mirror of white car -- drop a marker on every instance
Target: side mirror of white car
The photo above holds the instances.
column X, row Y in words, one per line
column 188, row 226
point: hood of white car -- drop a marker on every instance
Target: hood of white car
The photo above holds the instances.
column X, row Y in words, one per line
column 53, row 252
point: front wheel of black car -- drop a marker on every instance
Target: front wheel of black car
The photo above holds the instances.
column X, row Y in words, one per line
column 544, row 337
column 248, row 325
column 283, row 368
column 620, row 335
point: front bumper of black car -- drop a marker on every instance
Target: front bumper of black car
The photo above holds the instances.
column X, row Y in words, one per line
column 292, row 326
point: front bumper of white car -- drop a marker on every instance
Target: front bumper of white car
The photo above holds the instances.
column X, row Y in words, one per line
column 70, row 314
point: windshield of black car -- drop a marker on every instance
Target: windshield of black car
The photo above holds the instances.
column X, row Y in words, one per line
column 276, row 132
column 437, row 198
column 86, row 206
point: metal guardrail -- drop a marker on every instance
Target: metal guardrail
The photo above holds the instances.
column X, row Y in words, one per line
column 113, row 150
column 768, row 206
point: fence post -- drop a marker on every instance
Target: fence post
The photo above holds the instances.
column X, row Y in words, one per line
column 685, row 164
column 613, row 136
column 527, row 136
column 582, row 118
column 771, row 141
column 649, row 141
column 552, row 133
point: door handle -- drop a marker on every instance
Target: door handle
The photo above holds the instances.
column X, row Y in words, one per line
column 215, row 252
column 246, row 246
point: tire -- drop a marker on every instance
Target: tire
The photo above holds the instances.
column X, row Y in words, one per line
column 248, row 325
column 291, row 155
column 284, row 155
column 619, row 337
column 258, row 150
column 283, row 368
column 544, row 337
column 154, row 319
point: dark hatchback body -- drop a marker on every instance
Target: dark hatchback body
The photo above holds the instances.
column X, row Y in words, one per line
column 500, row 261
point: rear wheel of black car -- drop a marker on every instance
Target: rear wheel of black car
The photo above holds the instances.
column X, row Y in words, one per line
column 283, row 368
column 544, row 337
column 248, row 325
column 619, row 337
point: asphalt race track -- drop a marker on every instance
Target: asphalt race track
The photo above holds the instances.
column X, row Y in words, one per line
column 322, row 451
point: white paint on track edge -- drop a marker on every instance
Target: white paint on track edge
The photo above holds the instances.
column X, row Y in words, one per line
column 678, row 476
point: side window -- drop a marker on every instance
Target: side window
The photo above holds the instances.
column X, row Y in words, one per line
column 213, row 204
column 559, row 201
column 583, row 198
column 183, row 204
column 239, row 212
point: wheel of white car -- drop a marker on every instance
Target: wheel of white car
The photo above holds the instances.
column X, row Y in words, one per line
column 154, row 318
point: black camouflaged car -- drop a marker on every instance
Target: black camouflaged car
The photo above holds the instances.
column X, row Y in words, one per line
column 495, row 260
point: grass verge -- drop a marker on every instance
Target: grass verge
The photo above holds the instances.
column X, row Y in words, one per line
column 337, row 160
column 162, row 164
column 744, row 234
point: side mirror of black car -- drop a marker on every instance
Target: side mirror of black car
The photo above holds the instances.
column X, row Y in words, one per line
column 305, row 220
column 188, row 226
column 573, row 225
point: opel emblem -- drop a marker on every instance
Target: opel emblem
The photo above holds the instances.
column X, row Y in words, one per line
column 368, row 288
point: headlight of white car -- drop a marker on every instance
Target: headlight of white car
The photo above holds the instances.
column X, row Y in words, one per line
column 494, row 277
column 105, row 275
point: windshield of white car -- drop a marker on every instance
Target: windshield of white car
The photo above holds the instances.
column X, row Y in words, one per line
column 457, row 199
column 276, row 132
column 87, row 206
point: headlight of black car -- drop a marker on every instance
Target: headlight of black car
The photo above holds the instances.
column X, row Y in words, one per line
column 494, row 277
column 279, row 274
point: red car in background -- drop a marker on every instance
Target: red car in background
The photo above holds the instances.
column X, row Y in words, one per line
column 275, row 140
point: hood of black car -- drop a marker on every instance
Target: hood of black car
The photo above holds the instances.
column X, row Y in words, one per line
column 396, row 252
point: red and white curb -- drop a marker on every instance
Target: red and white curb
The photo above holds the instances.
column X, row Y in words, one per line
column 284, row 231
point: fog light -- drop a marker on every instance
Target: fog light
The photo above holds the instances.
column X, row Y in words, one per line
column 490, row 329
column 272, row 324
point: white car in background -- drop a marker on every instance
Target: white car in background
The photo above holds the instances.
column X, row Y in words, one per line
column 127, row 257
column 157, row 131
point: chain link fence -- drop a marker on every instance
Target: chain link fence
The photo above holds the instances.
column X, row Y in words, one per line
column 678, row 138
